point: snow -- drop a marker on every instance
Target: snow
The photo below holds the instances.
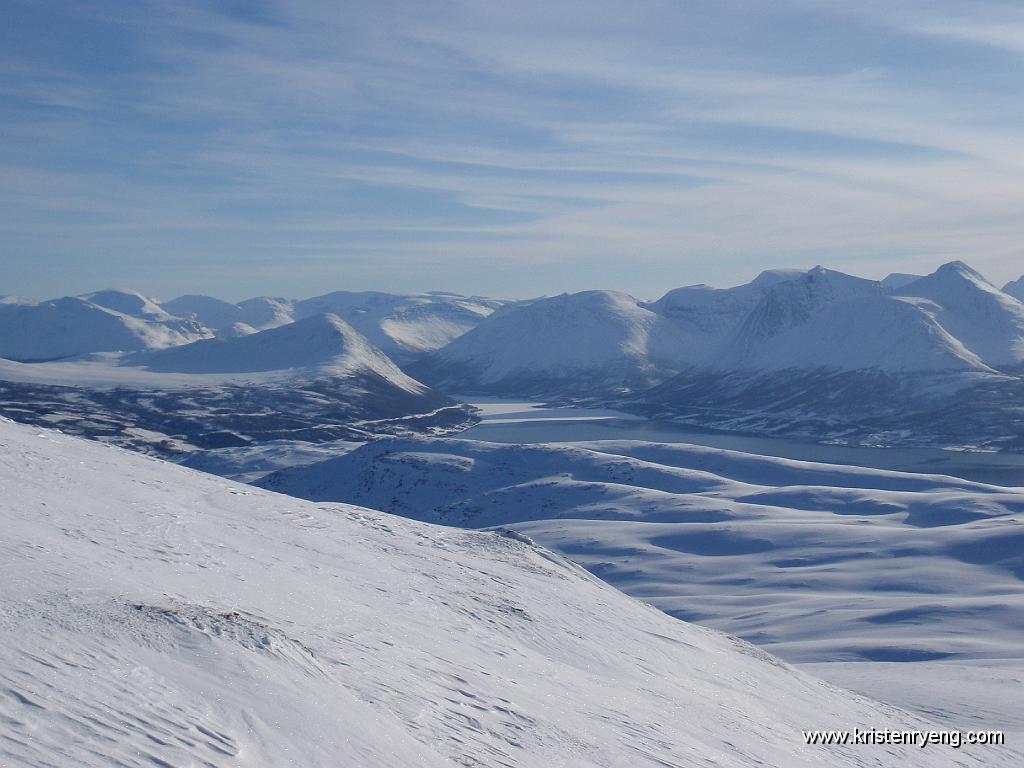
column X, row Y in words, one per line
column 602, row 342
column 1015, row 288
column 211, row 312
column 897, row 280
column 249, row 463
column 600, row 339
column 403, row 326
column 152, row 615
column 871, row 332
column 317, row 347
column 987, row 321
column 790, row 304
column 265, row 312
column 711, row 312
column 817, row 563
column 74, row 326
column 128, row 302
column 325, row 344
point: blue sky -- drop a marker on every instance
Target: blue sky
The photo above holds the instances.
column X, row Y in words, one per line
column 290, row 147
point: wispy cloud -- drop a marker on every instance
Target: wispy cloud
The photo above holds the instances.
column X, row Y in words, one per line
column 450, row 145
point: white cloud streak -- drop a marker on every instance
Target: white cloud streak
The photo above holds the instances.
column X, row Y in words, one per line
column 594, row 133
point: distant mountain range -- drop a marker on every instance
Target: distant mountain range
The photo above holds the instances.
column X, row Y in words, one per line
column 403, row 326
column 129, row 372
column 934, row 359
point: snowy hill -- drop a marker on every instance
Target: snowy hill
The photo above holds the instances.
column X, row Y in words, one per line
column 403, row 326
column 897, row 280
column 984, row 319
column 75, row 326
column 1015, row 288
column 789, row 304
column 258, row 314
column 131, row 303
column 152, row 615
column 321, row 345
column 817, row 563
column 867, row 333
column 712, row 313
column 830, row 355
column 211, row 312
column 314, row 380
column 581, row 343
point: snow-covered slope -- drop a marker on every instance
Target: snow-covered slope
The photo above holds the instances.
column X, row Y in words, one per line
column 711, row 313
column 314, row 380
column 595, row 341
column 403, row 326
column 897, row 280
column 321, row 345
column 265, row 312
column 790, row 304
column 830, row 355
column 987, row 321
column 74, row 326
column 260, row 313
column 131, row 303
column 817, row 563
column 152, row 615
column 866, row 333
column 1015, row 288
column 211, row 312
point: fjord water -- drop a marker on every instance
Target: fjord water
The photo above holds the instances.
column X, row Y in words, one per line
column 519, row 421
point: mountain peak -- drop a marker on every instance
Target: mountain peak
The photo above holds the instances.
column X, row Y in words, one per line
column 961, row 269
column 320, row 346
column 127, row 302
column 772, row 276
column 1015, row 288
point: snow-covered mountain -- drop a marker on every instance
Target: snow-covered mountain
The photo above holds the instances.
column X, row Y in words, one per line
column 403, row 326
column 211, row 312
column 314, row 380
column 714, row 312
column 987, row 321
column 871, row 332
column 128, row 302
column 257, row 314
column 1015, row 288
column 152, row 615
column 76, row 325
column 897, row 280
column 817, row 563
column 573, row 344
column 936, row 360
column 317, row 346
column 790, row 304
